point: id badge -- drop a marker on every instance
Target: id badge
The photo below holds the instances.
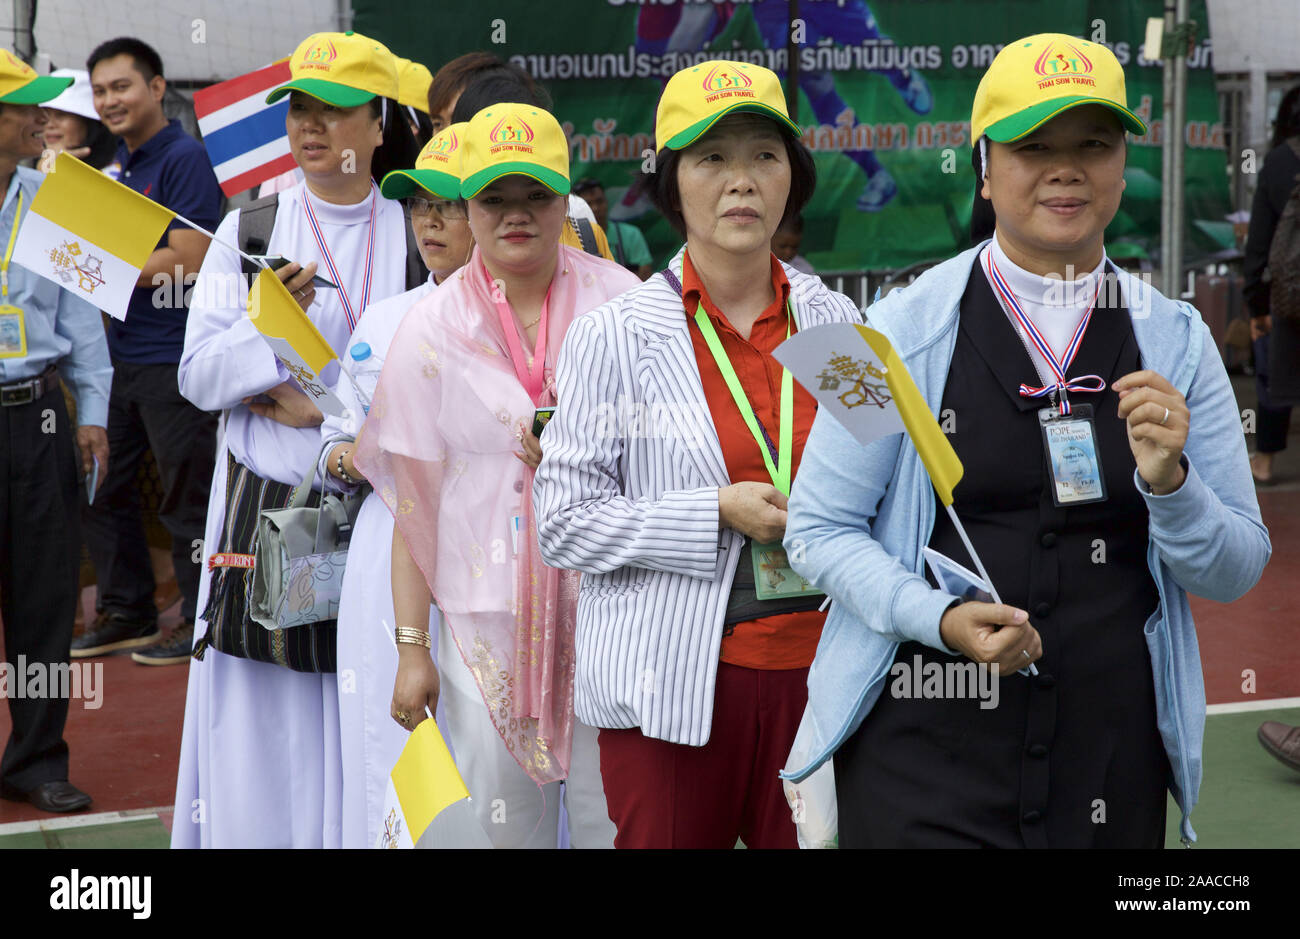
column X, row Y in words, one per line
column 1073, row 458
column 13, row 333
column 773, row 577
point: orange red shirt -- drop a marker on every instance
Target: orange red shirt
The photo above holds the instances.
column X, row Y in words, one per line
column 770, row 642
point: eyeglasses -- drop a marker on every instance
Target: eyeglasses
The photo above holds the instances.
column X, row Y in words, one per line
column 448, row 210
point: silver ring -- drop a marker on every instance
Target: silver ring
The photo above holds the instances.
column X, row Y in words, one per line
column 1025, row 653
column 1165, row 418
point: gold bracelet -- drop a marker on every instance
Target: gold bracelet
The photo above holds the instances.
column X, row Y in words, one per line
column 415, row 637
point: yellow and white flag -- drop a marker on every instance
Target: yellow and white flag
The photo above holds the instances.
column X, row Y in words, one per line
column 90, row 234
column 296, row 341
column 427, row 804
column 854, row 372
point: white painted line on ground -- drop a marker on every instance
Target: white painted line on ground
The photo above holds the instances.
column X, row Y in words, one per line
column 81, row 821
column 1237, row 707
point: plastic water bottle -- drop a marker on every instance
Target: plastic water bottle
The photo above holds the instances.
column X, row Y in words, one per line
column 366, row 367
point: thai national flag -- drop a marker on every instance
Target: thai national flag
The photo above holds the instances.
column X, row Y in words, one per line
column 244, row 135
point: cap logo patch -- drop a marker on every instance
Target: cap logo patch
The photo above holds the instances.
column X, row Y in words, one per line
column 320, row 55
column 726, row 82
column 444, row 144
column 17, row 63
column 511, row 134
column 1063, row 64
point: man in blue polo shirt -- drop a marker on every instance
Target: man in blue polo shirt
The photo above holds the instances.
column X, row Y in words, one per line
column 146, row 411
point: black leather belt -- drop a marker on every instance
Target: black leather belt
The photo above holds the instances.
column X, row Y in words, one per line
column 29, row 389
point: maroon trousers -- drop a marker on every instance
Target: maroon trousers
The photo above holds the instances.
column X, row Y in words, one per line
column 668, row 795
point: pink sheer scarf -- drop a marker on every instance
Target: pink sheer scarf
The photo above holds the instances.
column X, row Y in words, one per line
column 446, row 420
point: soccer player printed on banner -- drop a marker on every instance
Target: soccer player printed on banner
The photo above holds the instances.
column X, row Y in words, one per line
column 158, row 160
column 367, row 658
column 260, row 761
column 1082, row 410
column 48, row 331
column 450, row 446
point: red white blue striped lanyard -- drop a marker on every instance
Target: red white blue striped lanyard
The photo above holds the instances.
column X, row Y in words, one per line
column 352, row 313
column 1090, row 383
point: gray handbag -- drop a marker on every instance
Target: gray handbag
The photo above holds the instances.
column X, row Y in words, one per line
column 300, row 556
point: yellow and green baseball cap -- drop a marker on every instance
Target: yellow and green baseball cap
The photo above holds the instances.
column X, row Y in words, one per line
column 1034, row 79
column 19, row 83
column 413, row 81
column 437, row 168
column 503, row 139
column 696, row 98
column 342, row 69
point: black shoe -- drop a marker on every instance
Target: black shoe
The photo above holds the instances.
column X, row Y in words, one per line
column 56, row 796
column 113, row 632
column 174, row 651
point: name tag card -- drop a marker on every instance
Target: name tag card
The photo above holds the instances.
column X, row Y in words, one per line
column 1073, row 458
column 13, row 333
column 774, row 579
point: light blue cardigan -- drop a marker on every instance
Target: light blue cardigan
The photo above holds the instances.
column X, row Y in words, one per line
column 860, row 516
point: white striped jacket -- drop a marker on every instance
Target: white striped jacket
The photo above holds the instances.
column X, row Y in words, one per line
column 627, row 493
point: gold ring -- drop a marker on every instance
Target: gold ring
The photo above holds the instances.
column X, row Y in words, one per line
column 402, row 717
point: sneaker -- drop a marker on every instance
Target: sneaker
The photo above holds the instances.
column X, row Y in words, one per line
column 880, row 188
column 113, row 632
column 175, row 650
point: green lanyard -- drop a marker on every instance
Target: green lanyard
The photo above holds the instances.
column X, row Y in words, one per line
column 780, row 473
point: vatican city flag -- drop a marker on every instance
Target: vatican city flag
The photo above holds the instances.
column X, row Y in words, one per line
column 90, row 234
column 296, row 341
column 427, row 804
column 854, row 372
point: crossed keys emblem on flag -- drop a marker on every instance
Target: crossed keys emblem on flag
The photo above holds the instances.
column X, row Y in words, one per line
column 306, row 379
column 845, row 368
column 88, row 273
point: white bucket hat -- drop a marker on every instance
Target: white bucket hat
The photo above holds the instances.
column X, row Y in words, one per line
column 77, row 97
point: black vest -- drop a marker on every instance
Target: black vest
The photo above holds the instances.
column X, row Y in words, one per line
column 1079, row 742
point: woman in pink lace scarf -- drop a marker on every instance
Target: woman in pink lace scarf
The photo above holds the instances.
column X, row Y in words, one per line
column 450, row 449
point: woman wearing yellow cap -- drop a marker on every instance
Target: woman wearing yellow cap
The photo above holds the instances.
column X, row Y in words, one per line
column 449, row 446
column 367, row 658
column 665, row 477
column 260, row 763
column 1105, row 477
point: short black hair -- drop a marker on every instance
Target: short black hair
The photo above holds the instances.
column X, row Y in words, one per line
column 664, row 194
column 507, row 83
column 147, row 61
column 586, row 184
column 983, row 220
column 398, row 149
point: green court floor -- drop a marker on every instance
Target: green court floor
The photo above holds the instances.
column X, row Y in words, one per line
column 1248, row 799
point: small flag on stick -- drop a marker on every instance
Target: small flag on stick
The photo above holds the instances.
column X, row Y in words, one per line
column 245, row 137
column 854, row 372
column 90, row 234
column 296, row 341
column 427, row 804
column 850, row 368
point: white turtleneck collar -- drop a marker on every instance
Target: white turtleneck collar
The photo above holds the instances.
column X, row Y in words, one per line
column 331, row 213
